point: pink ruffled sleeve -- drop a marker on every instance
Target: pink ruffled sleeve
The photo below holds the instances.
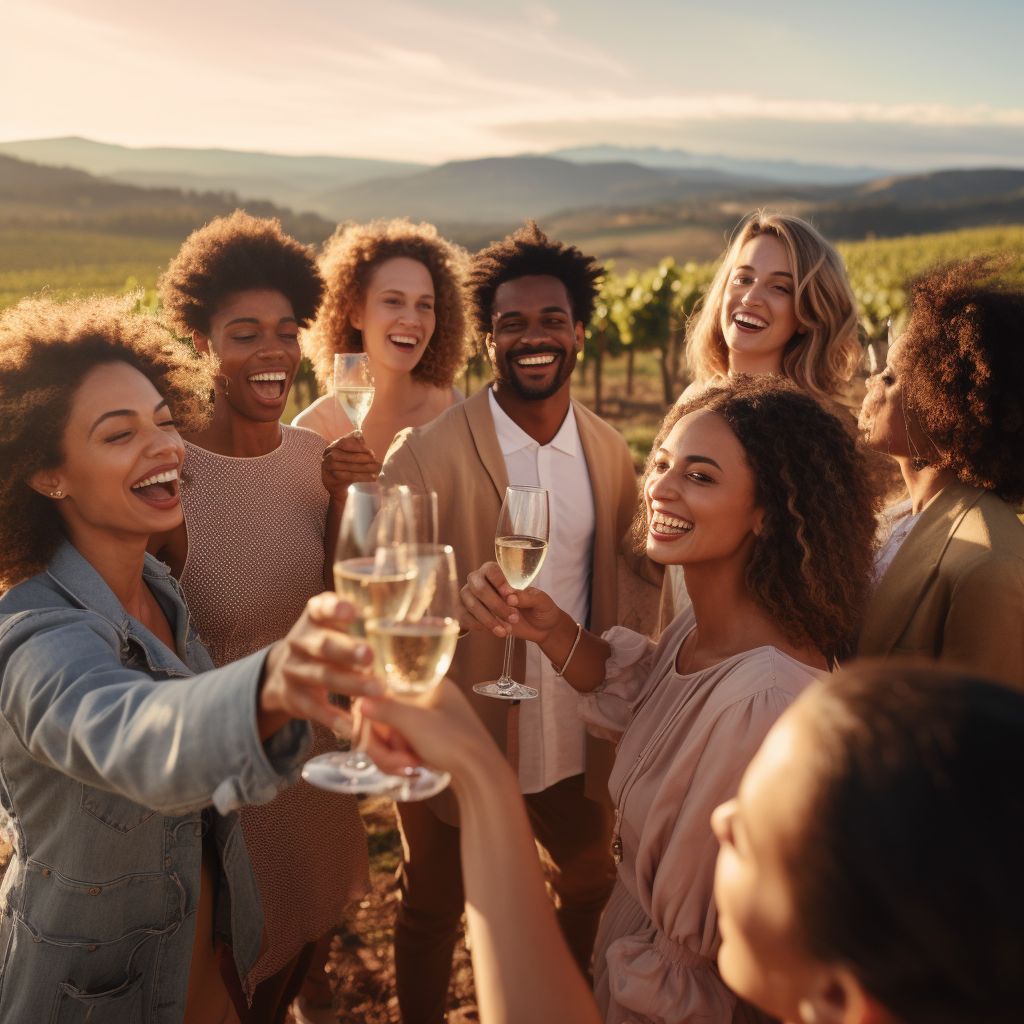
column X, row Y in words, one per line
column 665, row 972
column 607, row 709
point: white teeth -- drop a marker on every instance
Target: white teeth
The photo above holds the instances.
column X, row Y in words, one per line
column 542, row 360
column 661, row 519
column 160, row 478
column 749, row 321
column 274, row 375
column 403, row 339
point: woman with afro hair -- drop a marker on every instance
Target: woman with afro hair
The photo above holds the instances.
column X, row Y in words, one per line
column 394, row 291
column 763, row 499
column 949, row 407
column 250, row 553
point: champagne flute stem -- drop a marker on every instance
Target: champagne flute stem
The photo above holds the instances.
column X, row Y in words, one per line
column 506, row 679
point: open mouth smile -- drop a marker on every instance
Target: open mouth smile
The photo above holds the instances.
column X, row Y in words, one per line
column 406, row 342
column 269, row 385
column 749, row 322
column 665, row 525
column 538, row 359
column 160, row 489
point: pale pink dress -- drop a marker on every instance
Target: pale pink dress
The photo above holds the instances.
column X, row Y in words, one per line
column 684, row 743
column 255, row 556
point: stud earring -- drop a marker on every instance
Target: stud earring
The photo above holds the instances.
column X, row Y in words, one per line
column 58, row 493
column 807, row 1013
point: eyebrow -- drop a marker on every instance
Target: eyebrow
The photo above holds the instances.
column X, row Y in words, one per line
column 772, row 273
column 702, row 458
column 255, row 320
column 123, row 412
column 401, row 291
column 546, row 309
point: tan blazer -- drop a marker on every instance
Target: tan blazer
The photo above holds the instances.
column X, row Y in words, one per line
column 458, row 456
column 955, row 590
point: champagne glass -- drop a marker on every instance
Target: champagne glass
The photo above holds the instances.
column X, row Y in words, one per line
column 373, row 570
column 353, row 385
column 520, row 545
column 412, row 651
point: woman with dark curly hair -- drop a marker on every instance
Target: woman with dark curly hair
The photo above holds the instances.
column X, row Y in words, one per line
column 949, row 407
column 123, row 753
column 394, row 291
column 250, row 553
column 763, row 498
column 857, row 881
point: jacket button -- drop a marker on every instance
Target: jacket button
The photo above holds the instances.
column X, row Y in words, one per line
column 45, row 872
column 92, row 949
column 95, row 891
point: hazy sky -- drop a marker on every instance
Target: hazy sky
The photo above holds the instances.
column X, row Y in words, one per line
column 902, row 85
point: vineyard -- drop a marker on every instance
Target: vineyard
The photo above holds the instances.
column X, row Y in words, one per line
column 633, row 363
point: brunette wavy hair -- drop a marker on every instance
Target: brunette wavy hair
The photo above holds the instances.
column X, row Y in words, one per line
column 234, row 254
column 960, row 363
column 908, row 867
column 46, row 350
column 526, row 252
column 811, row 565
column 348, row 261
column 825, row 352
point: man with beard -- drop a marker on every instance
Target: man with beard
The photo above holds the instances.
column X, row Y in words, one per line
column 532, row 299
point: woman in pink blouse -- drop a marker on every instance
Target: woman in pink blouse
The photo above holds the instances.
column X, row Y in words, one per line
column 761, row 496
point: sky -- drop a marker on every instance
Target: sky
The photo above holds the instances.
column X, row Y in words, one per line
column 903, row 85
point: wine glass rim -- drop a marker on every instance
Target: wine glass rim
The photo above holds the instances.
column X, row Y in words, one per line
column 526, row 487
column 366, row 487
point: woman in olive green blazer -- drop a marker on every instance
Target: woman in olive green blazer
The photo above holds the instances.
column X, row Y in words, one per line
column 949, row 407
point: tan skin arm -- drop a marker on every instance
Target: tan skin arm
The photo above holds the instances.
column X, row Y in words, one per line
column 489, row 603
column 522, row 968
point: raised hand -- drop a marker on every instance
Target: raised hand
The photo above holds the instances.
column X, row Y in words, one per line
column 348, row 461
column 490, row 602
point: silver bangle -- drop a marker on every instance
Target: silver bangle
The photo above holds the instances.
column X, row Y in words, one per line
column 560, row 672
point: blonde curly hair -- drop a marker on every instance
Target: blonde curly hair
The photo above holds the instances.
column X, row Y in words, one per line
column 347, row 262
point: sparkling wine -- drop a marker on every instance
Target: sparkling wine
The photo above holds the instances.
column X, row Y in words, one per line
column 375, row 595
column 356, row 402
column 520, row 558
column 412, row 656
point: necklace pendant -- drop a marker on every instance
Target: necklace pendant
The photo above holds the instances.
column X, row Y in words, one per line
column 617, row 849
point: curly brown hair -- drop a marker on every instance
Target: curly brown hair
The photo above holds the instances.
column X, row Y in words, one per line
column 234, row 254
column 347, row 262
column 960, row 363
column 46, row 350
column 524, row 253
column 811, row 565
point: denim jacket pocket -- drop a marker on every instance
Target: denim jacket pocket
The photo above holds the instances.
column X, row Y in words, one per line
column 118, row 812
column 121, row 1004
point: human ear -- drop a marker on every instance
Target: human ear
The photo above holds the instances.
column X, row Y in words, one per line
column 839, row 998
column 758, row 527
column 356, row 318
column 580, row 336
column 201, row 343
column 491, row 349
column 48, row 483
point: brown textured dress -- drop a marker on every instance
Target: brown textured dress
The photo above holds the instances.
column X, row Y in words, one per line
column 255, row 556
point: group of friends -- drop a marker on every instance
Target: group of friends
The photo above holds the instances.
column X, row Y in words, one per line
column 737, row 824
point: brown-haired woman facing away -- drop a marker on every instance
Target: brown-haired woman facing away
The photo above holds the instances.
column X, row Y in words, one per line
column 762, row 497
column 251, row 552
column 869, row 870
column 124, row 753
column 949, row 407
column 394, row 291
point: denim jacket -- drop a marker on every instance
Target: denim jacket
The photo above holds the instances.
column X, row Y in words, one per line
column 111, row 747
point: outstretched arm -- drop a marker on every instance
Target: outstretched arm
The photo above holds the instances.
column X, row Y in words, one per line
column 522, row 967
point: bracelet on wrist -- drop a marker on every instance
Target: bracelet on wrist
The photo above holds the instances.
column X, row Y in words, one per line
column 572, row 650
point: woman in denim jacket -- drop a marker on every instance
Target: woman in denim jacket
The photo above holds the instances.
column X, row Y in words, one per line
column 130, row 897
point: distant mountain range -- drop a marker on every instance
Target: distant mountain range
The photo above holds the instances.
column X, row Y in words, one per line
column 632, row 204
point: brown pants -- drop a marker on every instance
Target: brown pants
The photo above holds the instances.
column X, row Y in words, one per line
column 574, row 831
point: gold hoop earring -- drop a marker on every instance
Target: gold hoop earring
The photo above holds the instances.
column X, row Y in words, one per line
column 805, row 1010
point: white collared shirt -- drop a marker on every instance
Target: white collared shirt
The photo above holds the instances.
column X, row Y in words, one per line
column 552, row 737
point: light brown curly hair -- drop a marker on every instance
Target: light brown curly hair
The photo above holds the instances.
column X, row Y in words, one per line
column 960, row 364
column 347, row 263
column 811, row 566
column 825, row 352
column 46, row 350
column 234, row 254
